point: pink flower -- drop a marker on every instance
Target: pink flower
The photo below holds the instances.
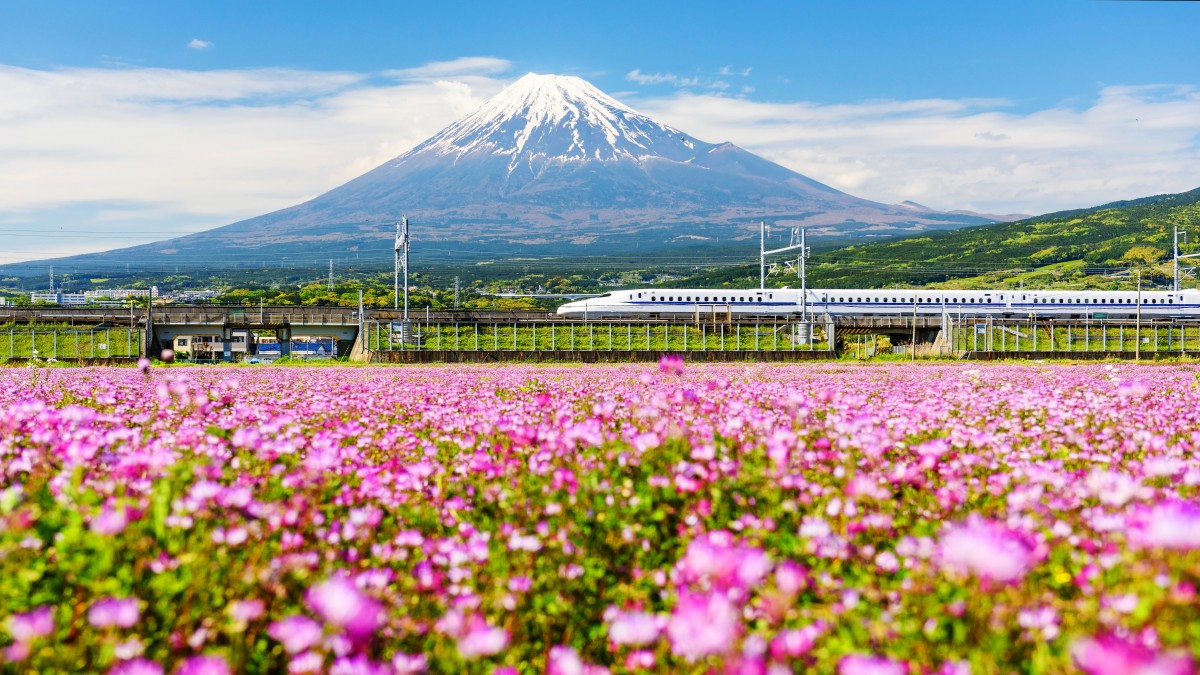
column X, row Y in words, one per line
column 297, row 633
column 341, row 604
column 136, row 667
column 110, row 521
column 641, row 659
column 407, row 664
column 791, row 578
column 245, row 611
column 634, row 628
column 143, row 365
column 1171, row 525
column 358, row 665
column 119, row 612
column 985, row 548
column 715, row 560
column 564, row 661
column 702, row 625
column 167, row 355
column 24, row 627
column 671, row 364
column 204, row 665
column 1111, row 655
column 481, row 639
column 857, row 664
column 1132, row 389
column 790, row 644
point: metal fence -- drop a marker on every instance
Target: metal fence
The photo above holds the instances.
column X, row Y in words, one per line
column 984, row 334
column 597, row 336
column 70, row 343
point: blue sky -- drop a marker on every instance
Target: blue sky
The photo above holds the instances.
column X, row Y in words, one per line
column 122, row 122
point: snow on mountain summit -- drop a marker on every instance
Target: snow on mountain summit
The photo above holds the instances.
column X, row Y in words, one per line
column 557, row 118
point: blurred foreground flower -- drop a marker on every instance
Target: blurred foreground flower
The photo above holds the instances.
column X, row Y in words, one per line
column 987, row 549
column 1111, row 655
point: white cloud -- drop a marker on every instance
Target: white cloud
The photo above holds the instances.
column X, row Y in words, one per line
column 638, row 76
column 972, row 153
column 197, row 43
column 138, row 154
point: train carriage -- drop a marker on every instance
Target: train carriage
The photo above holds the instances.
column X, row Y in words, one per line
column 750, row 303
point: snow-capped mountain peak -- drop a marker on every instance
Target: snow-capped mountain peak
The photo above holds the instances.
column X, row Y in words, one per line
column 556, row 118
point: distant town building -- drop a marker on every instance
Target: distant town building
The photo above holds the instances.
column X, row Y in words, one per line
column 192, row 296
column 122, row 293
column 59, row 298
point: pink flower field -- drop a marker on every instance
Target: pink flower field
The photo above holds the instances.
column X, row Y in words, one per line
column 730, row 518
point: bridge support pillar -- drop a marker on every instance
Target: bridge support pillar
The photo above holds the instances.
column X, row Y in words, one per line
column 226, row 344
column 285, row 340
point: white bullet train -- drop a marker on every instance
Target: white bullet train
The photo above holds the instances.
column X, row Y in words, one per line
column 775, row 302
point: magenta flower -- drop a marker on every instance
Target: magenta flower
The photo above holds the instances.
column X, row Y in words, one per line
column 204, row 665
column 987, row 549
column 341, row 604
column 297, row 633
column 703, row 625
column 715, row 560
column 118, row 612
column 1171, row 525
column 1111, row 655
column 634, row 628
column 136, row 667
column 358, row 665
column 857, row 664
column 36, row 623
column 790, row 644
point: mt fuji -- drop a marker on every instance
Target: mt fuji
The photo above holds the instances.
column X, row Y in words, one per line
column 550, row 165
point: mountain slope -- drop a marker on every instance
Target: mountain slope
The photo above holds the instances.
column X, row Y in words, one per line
column 1077, row 246
column 550, row 165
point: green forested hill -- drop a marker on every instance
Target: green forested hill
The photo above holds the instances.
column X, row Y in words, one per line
column 1085, row 246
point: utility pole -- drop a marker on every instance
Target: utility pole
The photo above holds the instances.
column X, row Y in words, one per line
column 1137, row 345
column 762, row 254
column 804, row 254
column 52, row 279
column 402, row 245
column 1180, row 271
column 329, row 286
column 457, row 286
column 792, row 246
column 1175, row 258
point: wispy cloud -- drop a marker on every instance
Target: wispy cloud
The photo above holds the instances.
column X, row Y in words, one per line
column 467, row 65
column 197, row 43
column 638, row 76
column 730, row 71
